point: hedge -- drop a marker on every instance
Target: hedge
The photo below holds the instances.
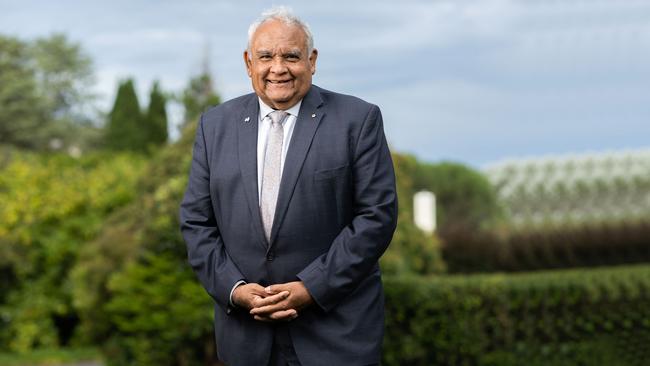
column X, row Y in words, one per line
column 569, row 317
column 554, row 247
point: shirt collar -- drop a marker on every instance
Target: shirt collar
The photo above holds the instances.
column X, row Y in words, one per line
column 265, row 109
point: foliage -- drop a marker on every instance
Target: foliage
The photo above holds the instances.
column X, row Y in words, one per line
column 140, row 247
column 156, row 117
column 570, row 317
column 125, row 129
column 51, row 207
column 612, row 243
column 464, row 196
column 130, row 129
column 64, row 73
column 562, row 212
column 44, row 93
column 161, row 314
column 467, row 211
column 411, row 250
column 43, row 357
column 21, row 111
column 198, row 96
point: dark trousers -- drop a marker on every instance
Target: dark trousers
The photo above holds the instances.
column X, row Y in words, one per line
column 283, row 353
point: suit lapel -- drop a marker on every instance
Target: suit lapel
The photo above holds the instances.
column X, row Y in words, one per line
column 308, row 119
column 247, row 148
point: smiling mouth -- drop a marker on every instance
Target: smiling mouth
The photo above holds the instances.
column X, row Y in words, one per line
column 278, row 82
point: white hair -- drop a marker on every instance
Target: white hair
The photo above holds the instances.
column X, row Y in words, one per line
column 285, row 15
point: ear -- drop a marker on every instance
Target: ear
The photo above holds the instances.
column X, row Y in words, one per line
column 248, row 63
column 312, row 60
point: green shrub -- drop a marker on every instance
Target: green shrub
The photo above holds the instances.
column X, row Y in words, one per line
column 411, row 251
column 51, row 206
column 572, row 317
column 161, row 314
column 467, row 212
column 136, row 295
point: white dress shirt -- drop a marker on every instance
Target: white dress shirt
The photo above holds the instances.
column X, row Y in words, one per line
column 264, row 125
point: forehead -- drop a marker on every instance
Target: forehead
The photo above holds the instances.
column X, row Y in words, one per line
column 275, row 33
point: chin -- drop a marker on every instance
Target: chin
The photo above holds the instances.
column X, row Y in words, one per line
column 280, row 99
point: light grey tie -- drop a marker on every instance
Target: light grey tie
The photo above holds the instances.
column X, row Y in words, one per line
column 271, row 171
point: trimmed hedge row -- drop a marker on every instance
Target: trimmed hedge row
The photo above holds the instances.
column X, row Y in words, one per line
column 553, row 247
column 569, row 317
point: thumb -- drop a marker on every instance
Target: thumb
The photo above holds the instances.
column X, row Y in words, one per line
column 258, row 290
column 275, row 289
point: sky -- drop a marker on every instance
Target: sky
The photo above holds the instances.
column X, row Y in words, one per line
column 470, row 81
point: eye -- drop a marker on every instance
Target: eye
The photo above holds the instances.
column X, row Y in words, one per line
column 292, row 57
column 265, row 57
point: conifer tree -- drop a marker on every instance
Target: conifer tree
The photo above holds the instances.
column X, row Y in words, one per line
column 156, row 118
column 198, row 96
column 125, row 130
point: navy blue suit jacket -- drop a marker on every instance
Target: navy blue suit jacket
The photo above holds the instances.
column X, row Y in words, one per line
column 336, row 214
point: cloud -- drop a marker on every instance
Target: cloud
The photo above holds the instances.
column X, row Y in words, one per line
column 472, row 80
column 140, row 37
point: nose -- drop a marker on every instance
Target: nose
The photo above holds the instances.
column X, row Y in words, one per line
column 278, row 66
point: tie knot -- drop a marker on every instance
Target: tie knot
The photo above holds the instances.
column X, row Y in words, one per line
column 277, row 116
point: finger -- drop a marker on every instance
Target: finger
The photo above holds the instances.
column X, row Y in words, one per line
column 263, row 319
column 274, row 289
column 273, row 299
column 284, row 315
column 269, row 309
column 258, row 290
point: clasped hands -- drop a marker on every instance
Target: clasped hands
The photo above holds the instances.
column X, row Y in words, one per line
column 273, row 303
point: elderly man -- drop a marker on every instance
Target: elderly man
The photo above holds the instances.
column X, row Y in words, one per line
column 290, row 203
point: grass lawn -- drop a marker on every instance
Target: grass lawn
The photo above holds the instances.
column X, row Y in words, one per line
column 64, row 356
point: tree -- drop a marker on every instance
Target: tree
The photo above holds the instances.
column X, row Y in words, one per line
column 156, row 118
column 468, row 214
column 64, row 75
column 125, row 130
column 22, row 112
column 464, row 196
column 44, row 93
column 198, row 96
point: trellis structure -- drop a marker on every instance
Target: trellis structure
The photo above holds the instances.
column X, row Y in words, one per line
column 574, row 190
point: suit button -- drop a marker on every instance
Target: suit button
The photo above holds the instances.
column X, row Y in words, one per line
column 270, row 256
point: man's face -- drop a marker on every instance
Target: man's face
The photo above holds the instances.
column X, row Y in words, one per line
column 278, row 64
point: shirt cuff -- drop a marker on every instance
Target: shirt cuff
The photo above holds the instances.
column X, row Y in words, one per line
column 240, row 282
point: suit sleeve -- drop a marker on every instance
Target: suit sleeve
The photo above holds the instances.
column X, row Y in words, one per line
column 206, row 251
column 354, row 253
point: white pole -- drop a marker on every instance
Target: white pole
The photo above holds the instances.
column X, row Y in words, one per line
column 424, row 211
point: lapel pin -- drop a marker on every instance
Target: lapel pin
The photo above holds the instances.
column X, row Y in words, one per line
column 247, row 119
column 313, row 115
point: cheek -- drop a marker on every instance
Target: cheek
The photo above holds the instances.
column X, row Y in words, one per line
column 261, row 75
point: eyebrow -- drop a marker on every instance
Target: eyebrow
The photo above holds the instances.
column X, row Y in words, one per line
column 294, row 52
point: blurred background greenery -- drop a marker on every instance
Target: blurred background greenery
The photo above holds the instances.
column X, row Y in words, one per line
column 541, row 262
